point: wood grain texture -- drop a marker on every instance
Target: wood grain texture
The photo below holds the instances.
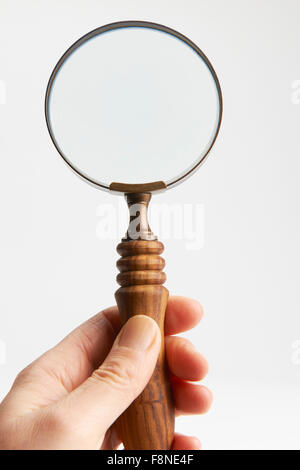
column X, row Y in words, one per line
column 148, row 424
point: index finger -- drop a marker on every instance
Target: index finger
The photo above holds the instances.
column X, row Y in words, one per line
column 182, row 314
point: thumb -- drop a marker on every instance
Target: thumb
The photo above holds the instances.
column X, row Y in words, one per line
column 102, row 398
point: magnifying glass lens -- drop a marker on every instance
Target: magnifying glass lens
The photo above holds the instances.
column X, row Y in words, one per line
column 133, row 105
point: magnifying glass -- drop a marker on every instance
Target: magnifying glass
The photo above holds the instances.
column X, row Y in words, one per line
column 134, row 108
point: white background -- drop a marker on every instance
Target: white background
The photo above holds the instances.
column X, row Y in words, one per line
column 56, row 272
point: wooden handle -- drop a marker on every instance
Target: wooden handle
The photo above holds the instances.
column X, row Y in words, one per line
column 149, row 422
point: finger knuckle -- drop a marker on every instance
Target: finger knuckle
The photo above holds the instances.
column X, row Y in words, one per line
column 117, row 372
column 21, row 376
column 27, row 375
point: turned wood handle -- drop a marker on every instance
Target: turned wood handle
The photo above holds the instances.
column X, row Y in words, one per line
column 149, row 422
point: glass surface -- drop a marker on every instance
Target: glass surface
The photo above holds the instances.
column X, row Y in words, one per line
column 133, row 105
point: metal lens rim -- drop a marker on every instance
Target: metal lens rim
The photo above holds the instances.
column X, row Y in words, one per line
column 130, row 24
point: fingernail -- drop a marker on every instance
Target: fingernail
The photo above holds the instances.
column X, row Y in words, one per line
column 138, row 333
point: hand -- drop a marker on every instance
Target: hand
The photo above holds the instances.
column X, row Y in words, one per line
column 70, row 397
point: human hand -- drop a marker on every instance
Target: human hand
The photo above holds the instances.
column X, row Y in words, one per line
column 70, row 397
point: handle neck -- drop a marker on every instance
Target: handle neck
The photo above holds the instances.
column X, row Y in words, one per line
column 138, row 228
